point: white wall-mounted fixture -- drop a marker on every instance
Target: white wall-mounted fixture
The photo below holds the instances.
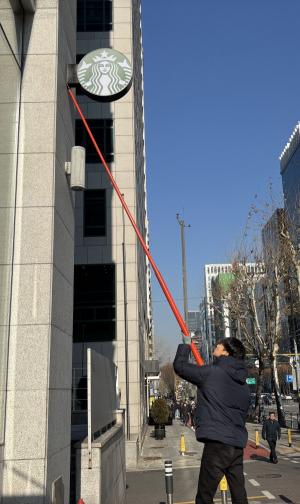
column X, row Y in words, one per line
column 75, row 168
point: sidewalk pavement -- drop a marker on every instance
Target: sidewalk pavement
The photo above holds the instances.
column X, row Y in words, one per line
column 282, row 446
column 155, row 452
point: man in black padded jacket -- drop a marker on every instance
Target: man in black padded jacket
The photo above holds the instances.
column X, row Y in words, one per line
column 271, row 432
column 223, row 400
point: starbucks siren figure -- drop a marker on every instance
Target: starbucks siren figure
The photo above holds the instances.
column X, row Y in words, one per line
column 105, row 79
column 104, row 73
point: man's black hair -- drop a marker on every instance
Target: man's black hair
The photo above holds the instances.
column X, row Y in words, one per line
column 271, row 413
column 234, row 347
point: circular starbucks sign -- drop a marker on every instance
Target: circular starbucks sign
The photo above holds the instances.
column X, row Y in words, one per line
column 105, row 74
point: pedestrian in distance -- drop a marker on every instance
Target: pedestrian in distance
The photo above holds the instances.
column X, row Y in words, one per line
column 223, row 401
column 188, row 415
column 271, row 432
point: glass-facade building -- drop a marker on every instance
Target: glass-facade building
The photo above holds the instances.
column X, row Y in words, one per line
column 290, row 173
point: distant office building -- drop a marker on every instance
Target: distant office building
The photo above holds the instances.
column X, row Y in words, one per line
column 211, row 271
column 271, row 240
column 204, row 348
column 273, row 247
column 290, row 173
column 224, row 325
column 193, row 320
column 215, row 315
column 194, row 325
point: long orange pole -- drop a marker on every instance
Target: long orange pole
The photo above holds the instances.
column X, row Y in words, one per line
column 158, row 275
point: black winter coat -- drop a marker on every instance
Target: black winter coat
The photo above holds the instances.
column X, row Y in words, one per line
column 271, row 430
column 223, row 397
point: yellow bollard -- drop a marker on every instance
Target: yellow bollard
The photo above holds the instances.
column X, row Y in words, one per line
column 256, row 438
column 224, row 489
column 182, row 445
column 290, row 437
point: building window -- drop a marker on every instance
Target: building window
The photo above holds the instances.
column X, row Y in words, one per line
column 94, row 213
column 102, row 130
column 94, row 15
column 94, row 303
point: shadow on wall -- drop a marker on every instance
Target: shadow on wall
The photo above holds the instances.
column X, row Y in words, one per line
column 29, row 483
column 28, row 22
column 29, row 499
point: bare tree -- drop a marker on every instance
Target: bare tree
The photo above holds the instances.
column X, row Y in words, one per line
column 167, row 380
column 258, row 299
column 244, row 311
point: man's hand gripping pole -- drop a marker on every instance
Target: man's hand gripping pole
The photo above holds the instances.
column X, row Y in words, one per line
column 158, row 275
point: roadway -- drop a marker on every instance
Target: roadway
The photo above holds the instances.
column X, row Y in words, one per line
column 277, row 483
column 265, row 482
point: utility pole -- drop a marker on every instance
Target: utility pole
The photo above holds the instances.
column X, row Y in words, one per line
column 184, row 282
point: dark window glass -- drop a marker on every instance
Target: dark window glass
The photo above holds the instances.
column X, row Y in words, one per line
column 94, row 15
column 94, row 303
column 102, row 130
column 94, row 213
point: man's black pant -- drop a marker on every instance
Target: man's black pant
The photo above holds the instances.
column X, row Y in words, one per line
column 219, row 459
column 272, row 445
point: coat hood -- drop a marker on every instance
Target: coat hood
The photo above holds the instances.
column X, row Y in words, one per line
column 235, row 368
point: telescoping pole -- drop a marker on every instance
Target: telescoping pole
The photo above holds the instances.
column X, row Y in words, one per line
column 158, row 275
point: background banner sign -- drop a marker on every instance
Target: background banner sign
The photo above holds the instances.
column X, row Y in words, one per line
column 105, row 74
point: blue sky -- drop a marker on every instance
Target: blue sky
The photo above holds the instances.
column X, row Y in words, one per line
column 222, row 97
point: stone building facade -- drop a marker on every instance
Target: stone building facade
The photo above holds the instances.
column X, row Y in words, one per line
column 38, row 41
column 42, row 237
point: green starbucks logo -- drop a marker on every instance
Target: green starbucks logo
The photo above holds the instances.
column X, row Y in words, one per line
column 105, row 73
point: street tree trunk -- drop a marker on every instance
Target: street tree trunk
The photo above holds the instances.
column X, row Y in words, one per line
column 259, row 387
column 276, row 388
